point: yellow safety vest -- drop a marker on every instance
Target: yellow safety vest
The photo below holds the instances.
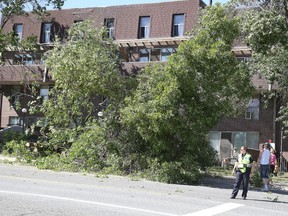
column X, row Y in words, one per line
column 244, row 162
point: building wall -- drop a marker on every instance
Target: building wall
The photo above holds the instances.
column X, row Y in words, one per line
column 126, row 27
column 126, row 18
column 264, row 125
column 7, row 112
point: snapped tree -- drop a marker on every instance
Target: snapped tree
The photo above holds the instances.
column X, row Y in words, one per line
column 175, row 105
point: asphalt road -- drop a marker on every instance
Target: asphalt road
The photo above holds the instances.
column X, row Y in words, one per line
column 28, row 191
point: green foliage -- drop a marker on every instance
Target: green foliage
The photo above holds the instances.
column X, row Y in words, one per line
column 266, row 31
column 172, row 172
column 58, row 140
column 55, row 162
column 175, row 105
column 256, row 179
column 84, row 69
column 89, row 151
column 20, row 149
column 10, row 135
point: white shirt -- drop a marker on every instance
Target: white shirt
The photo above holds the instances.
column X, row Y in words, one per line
column 265, row 157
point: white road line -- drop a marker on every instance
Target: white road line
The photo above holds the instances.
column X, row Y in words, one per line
column 215, row 210
column 85, row 201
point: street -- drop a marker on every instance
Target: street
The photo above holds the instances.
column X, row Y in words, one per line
column 29, row 191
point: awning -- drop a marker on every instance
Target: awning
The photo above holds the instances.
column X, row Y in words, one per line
column 152, row 42
column 242, row 51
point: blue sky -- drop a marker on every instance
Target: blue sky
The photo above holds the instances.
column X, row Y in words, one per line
column 102, row 3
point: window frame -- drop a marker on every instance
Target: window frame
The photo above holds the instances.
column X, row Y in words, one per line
column 237, row 139
column 253, row 112
column 171, row 50
column 180, row 24
column 110, row 29
column 45, row 89
column 145, row 55
column 19, row 35
column 27, row 59
column 144, row 30
column 16, row 118
column 46, row 36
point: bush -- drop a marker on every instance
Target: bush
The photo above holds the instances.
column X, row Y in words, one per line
column 89, row 151
column 55, row 162
column 58, row 140
column 173, row 172
column 20, row 149
column 10, row 135
column 256, row 180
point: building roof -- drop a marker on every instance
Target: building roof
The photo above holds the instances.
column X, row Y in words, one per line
column 13, row 74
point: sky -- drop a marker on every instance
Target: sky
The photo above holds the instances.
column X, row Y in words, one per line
column 103, row 3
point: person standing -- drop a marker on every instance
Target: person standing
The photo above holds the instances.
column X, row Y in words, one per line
column 244, row 170
column 264, row 159
column 273, row 164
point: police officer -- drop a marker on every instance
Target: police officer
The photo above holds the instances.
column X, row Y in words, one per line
column 243, row 168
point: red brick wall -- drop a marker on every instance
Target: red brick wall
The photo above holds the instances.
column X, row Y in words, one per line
column 126, row 18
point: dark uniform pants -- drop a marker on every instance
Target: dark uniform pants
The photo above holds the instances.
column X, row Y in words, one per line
column 239, row 178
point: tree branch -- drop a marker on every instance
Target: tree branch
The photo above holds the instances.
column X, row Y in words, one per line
column 286, row 11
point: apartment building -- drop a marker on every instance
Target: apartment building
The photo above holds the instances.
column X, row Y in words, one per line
column 144, row 33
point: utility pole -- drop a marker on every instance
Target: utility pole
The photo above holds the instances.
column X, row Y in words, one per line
column 1, row 100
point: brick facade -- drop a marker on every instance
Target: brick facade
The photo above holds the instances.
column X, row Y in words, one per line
column 126, row 18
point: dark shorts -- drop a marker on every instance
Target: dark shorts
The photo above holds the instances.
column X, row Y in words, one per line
column 264, row 171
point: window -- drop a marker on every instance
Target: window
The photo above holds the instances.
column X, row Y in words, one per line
column 252, row 111
column 27, row 59
column 78, row 21
column 144, row 55
column 178, row 25
column 166, row 52
column 244, row 59
column 14, row 120
column 18, row 31
column 225, row 142
column 44, row 91
column 252, row 139
column 144, row 27
column 46, row 34
column 109, row 23
column 15, row 96
column 23, row 59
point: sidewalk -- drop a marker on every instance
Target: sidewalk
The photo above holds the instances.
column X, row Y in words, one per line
column 227, row 182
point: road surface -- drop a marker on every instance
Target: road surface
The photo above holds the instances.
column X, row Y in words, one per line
column 29, row 191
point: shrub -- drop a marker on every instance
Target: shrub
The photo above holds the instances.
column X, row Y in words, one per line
column 89, row 151
column 172, row 172
column 20, row 149
column 8, row 136
column 58, row 140
column 256, row 180
column 55, row 162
